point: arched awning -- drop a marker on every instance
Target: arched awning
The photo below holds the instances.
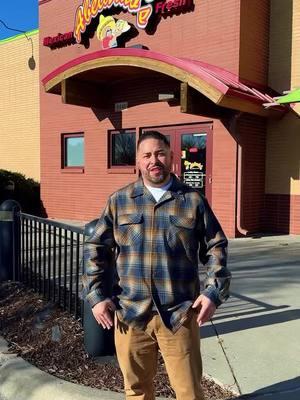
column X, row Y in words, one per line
column 220, row 86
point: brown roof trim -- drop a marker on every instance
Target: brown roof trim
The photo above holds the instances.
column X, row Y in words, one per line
column 211, row 83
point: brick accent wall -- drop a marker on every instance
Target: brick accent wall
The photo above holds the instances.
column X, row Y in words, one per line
column 210, row 33
column 295, row 214
column 224, row 176
column 282, row 214
column 251, row 137
column 80, row 195
column 216, row 32
column 295, row 81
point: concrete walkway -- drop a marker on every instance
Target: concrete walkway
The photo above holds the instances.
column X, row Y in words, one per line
column 252, row 346
column 19, row 380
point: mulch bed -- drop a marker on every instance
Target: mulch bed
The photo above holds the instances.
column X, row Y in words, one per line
column 52, row 340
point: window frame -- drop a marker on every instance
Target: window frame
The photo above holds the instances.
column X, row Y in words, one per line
column 70, row 168
column 119, row 169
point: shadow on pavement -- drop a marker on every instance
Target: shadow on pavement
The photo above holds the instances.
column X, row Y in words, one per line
column 239, row 305
column 285, row 388
column 250, row 323
column 243, row 310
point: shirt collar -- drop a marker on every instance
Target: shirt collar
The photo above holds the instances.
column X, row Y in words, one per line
column 176, row 188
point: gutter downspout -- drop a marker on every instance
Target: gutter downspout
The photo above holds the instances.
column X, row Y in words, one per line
column 238, row 207
column 238, row 193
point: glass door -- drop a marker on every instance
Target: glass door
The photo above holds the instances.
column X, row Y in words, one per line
column 192, row 149
column 193, row 160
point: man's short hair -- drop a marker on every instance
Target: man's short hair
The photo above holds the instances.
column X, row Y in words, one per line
column 153, row 135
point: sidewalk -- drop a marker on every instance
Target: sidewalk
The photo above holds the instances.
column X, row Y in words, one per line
column 19, row 380
column 257, row 346
column 253, row 345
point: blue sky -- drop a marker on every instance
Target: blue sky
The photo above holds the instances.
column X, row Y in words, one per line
column 18, row 14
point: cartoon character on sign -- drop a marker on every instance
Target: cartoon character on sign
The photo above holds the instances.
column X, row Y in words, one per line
column 108, row 30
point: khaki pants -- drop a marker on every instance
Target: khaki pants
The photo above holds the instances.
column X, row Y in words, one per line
column 137, row 352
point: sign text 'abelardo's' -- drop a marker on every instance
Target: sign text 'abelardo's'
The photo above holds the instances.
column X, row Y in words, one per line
column 143, row 9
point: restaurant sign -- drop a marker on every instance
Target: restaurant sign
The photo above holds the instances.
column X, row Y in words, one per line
column 109, row 29
column 143, row 9
column 60, row 40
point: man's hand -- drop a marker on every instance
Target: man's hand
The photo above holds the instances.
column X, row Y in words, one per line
column 103, row 313
column 206, row 309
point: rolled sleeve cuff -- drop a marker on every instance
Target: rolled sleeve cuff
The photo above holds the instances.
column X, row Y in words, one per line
column 213, row 294
column 94, row 298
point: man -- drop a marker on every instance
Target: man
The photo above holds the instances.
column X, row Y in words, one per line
column 156, row 229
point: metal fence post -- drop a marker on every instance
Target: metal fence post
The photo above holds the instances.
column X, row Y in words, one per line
column 9, row 240
column 97, row 341
column 16, row 243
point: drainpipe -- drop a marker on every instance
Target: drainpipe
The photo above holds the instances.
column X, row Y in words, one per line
column 238, row 193
column 238, row 206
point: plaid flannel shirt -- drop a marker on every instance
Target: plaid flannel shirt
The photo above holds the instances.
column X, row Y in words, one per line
column 155, row 248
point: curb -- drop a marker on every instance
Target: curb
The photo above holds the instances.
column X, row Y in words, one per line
column 230, row 388
column 20, row 380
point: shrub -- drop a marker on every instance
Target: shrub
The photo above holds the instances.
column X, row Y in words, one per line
column 26, row 191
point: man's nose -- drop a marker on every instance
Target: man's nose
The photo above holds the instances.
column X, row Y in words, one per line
column 153, row 158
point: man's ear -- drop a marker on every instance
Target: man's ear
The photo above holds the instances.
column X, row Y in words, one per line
column 137, row 162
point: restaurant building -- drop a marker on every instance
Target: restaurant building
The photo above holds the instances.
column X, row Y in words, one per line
column 198, row 71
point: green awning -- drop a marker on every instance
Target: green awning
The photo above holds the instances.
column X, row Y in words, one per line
column 292, row 97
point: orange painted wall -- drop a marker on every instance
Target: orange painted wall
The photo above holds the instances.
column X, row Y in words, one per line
column 282, row 182
column 19, row 106
column 280, row 44
column 254, row 41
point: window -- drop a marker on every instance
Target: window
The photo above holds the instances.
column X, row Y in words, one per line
column 122, row 148
column 73, row 150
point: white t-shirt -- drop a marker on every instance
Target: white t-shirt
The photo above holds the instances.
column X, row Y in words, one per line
column 158, row 192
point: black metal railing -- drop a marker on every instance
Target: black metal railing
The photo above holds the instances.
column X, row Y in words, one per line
column 49, row 260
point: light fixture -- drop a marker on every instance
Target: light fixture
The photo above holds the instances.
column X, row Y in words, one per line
column 31, row 60
column 166, row 96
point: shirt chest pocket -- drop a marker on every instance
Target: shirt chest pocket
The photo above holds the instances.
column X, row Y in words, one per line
column 129, row 230
column 181, row 232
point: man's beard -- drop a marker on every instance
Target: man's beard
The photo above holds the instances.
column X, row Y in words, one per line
column 164, row 173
